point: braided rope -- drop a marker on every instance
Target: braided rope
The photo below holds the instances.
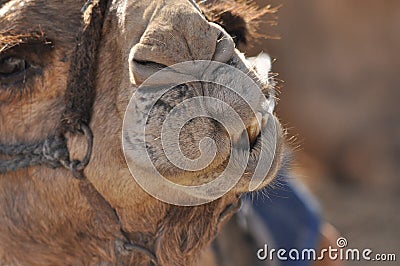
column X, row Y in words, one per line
column 79, row 97
column 18, row 162
column 24, row 155
column 19, row 149
column 53, row 152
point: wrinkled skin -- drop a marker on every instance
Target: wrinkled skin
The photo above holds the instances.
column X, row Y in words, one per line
column 44, row 218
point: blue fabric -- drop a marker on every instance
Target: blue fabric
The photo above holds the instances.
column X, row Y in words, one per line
column 291, row 216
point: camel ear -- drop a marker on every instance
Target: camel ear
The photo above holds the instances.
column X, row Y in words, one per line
column 235, row 25
column 240, row 18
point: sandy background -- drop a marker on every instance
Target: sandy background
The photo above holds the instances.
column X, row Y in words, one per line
column 340, row 63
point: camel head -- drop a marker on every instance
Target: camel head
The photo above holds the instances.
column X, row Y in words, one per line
column 145, row 46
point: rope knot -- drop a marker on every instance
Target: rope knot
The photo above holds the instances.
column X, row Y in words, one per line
column 55, row 151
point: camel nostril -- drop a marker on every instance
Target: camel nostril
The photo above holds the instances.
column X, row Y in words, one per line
column 150, row 64
column 141, row 70
column 150, row 56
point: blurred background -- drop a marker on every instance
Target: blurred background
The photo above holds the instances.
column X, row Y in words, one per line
column 339, row 62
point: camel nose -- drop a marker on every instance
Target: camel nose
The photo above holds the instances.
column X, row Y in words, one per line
column 186, row 38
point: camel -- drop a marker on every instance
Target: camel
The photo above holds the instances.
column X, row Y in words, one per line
column 102, row 216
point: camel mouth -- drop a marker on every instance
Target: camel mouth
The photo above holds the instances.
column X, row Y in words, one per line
column 254, row 133
column 186, row 129
column 251, row 135
column 265, row 157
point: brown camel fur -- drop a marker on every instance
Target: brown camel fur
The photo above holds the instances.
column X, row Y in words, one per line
column 44, row 217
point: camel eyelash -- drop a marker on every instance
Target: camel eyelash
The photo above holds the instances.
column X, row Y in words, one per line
column 14, row 40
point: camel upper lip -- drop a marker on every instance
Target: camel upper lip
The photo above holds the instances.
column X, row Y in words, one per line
column 254, row 129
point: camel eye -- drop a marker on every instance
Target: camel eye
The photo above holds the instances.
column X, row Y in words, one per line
column 21, row 60
column 12, row 66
